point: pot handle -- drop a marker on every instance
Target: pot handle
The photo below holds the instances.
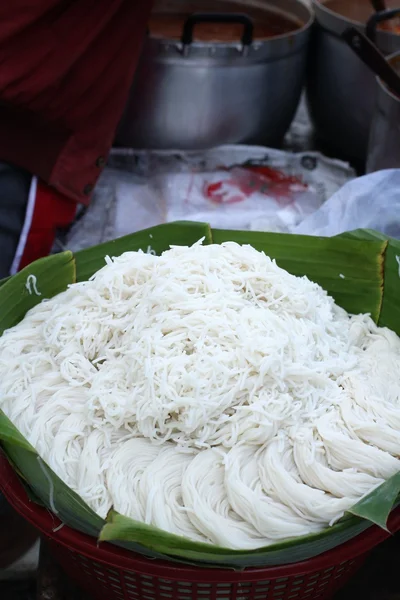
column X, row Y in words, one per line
column 372, row 57
column 380, row 17
column 237, row 18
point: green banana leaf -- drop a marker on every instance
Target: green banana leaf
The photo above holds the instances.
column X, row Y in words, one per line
column 360, row 270
column 18, row 293
column 390, row 310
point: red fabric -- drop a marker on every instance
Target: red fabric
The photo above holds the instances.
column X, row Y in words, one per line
column 51, row 211
column 66, row 67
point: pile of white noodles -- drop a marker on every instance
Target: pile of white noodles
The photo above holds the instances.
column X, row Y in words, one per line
column 207, row 392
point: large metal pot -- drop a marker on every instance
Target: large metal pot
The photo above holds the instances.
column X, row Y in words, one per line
column 197, row 95
column 384, row 141
column 341, row 90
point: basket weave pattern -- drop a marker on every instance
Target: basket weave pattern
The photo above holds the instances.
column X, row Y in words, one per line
column 110, row 583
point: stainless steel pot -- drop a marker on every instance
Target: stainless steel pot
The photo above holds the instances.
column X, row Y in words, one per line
column 197, row 95
column 384, row 141
column 341, row 90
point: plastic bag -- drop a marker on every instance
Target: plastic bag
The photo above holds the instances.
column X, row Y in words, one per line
column 232, row 187
column 257, row 197
column 370, row 202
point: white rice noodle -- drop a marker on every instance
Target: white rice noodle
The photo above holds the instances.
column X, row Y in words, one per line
column 310, row 460
column 161, row 491
column 91, row 472
column 280, row 478
column 208, row 508
column 269, row 517
column 346, row 452
column 128, row 461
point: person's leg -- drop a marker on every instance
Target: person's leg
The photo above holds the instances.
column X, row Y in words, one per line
column 14, row 192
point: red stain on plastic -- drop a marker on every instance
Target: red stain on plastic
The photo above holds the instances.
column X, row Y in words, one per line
column 246, row 181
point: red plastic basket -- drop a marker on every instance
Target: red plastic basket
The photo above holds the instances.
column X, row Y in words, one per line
column 110, row 573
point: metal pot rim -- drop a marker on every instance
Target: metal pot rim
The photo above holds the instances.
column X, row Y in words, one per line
column 257, row 49
column 337, row 23
column 384, row 88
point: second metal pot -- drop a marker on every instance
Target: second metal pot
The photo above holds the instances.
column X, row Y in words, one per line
column 197, row 95
column 384, row 141
column 341, row 90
